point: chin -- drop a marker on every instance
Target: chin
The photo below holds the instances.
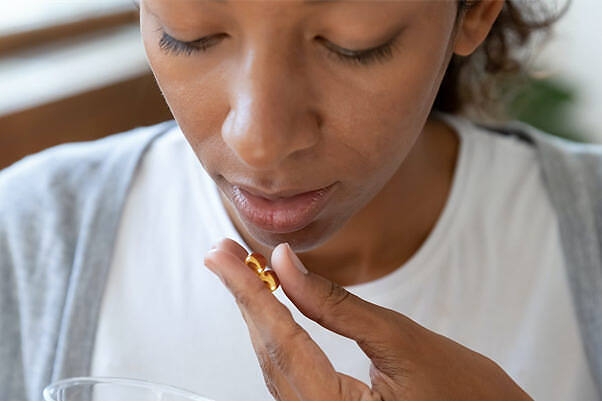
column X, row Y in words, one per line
column 306, row 239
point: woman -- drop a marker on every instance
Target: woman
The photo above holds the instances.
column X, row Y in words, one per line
column 435, row 245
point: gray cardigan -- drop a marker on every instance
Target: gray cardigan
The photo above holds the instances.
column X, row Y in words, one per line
column 59, row 214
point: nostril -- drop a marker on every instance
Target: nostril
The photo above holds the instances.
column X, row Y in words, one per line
column 262, row 136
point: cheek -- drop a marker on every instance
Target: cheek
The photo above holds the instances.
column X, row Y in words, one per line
column 193, row 90
column 372, row 132
column 194, row 99
column 376, row 121
column 371, row 119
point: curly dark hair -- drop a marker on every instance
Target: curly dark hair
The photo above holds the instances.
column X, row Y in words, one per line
column 483, row 82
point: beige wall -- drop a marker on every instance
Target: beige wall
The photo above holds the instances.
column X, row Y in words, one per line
column 576, row 55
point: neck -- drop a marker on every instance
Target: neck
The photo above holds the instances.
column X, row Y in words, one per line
column 383, row 235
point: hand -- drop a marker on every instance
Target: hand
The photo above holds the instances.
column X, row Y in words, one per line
column 408, row 361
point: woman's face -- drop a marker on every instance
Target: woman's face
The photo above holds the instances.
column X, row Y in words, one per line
column 269, row 101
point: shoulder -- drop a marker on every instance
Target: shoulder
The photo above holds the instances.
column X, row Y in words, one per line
column 70, row 160
column 58, row 208
column 555, row 153
column 505, row 185
column 497, row 160
column 45, row 196
column 70, row 168
column 570, row 172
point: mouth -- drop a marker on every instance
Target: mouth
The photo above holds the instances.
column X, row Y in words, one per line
column 281, row 212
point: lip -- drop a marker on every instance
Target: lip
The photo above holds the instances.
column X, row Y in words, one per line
column 273, row 196
column 278, row 213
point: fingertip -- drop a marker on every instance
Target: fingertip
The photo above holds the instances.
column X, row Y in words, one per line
column 208, row 259
column 216, row 259
column 277, row 254
column 294, row 259
column 286, row 263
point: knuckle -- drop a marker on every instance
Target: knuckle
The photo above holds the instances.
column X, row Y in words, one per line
column 246, row 296
column 365, row 394
column 348, row 390
column 272, row 389
column 281, row 353
column 268, row 374
column 265, row 364
column 332, row 300
column 242, row 298
column 336, row 295
column 278, row 356
column 371, row 395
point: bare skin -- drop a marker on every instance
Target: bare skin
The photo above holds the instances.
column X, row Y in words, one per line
column 268, row 107
column 408, row 361
column 361, row 250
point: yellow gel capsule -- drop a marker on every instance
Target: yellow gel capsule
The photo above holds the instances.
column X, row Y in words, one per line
column 257, row 262
column 270, row 279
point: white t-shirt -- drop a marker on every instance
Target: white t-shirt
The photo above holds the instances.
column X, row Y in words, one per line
column 490, row 275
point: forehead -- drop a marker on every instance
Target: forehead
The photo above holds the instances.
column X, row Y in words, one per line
column 183, row 10
column 307, row 3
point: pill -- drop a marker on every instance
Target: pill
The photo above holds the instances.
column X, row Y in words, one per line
column 257, row 262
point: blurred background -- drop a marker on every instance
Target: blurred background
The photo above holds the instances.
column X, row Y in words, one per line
column 71, row 70
column 74, row 70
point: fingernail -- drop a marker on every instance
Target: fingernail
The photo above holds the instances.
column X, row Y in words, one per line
column 295, row 259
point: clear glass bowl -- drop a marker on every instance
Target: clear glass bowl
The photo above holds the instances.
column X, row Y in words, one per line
column 115, row 389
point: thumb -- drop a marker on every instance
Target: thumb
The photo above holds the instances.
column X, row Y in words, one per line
column 335, row 308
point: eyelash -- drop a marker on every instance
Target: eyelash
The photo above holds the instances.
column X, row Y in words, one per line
column 380, row 53
column 176, row 47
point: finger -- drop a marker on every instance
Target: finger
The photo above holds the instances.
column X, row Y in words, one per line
column 349, row 387
column 377, row 330
column 275, row 381
column 233, row 247
column 286, row 344
column 385, row 386
column 355, row 390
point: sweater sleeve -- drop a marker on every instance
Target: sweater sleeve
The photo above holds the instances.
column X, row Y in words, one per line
column 34, row 266
column 573, row 173
column 39, row 219
column 59, row 212
column 573, row 178
column 11, row 353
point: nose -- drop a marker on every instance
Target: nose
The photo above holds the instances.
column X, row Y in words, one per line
column 270, row 116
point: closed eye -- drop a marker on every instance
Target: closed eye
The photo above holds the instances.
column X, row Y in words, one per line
column 170, row 45
column 382, row 52
column 365, row 56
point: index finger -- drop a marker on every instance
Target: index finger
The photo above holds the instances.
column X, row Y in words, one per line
column 290, row 348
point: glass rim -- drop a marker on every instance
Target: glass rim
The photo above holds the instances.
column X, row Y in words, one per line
column 57, row 385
